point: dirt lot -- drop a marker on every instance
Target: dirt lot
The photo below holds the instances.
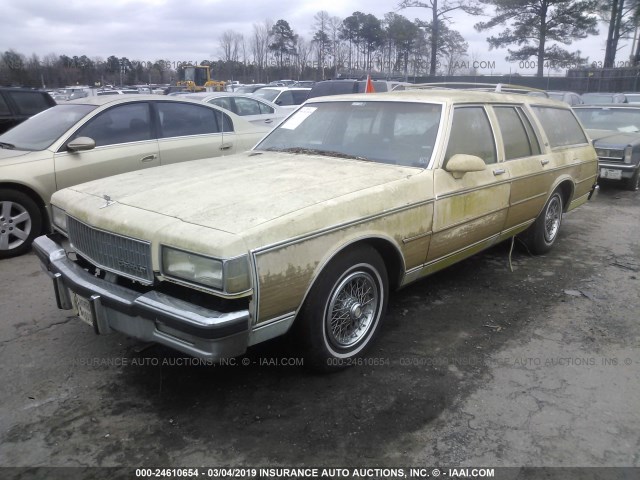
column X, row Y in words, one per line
column 476, row 366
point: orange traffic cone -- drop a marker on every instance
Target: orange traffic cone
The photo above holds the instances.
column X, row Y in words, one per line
column 369, row 88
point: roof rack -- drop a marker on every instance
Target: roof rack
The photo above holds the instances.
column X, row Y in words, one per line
column 483, row 87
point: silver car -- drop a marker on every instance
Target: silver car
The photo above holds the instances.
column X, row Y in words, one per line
column 99, row 136
column 255, row 110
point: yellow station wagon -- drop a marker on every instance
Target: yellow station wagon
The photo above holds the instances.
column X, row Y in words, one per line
column 350, row 198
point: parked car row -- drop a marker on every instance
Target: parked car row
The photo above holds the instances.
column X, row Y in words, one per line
column 349, row 197
column 308, row 233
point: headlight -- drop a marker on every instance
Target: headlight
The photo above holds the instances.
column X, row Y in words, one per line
column 627, row 154
column 230, row 276
column 59, row 218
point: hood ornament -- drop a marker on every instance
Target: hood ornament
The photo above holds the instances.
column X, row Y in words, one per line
column 107, row 198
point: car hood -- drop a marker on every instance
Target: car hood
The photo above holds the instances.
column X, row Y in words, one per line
column 241, row 192
column 612, row 138
column 8, row 156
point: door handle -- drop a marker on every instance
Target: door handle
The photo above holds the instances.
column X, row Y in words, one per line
column 149, row 158
column 225, row 146
column 544, row 161
column 268, row 120
column 499, row 171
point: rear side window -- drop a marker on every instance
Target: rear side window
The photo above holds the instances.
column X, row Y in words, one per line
column 561, row 126
column 517, row 134
column 30, row 103
column 471, row 134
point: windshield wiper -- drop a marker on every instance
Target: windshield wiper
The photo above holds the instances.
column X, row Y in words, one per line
column 313, row 151
column 8, row 146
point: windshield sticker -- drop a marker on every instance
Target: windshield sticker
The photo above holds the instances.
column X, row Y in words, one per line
column 297, row 118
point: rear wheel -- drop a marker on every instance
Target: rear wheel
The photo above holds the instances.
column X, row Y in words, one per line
column 542, row 234
column 344, row 309
column 20, row 223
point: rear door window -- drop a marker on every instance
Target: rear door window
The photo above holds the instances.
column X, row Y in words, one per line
column 517, row 133
column 182, row 119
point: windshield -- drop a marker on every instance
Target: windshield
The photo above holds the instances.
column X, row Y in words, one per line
column 40, row 131
column 618, row 119
column 267, row 94
column 397, row 133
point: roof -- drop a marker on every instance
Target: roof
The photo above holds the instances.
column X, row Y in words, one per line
column 99, row 100
column 443, row 96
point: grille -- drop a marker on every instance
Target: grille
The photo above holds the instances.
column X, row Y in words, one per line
column 126, row 256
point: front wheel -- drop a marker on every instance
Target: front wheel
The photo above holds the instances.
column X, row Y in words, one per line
column 344, row 309
column 542, row 234
column 633, row 183
column 20, row 223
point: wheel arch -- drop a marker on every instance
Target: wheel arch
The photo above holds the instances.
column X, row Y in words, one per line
column 35, row 196
column 388, row 251
column 566, row 187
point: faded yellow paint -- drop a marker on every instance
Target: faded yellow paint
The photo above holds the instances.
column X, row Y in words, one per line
column 286, row 273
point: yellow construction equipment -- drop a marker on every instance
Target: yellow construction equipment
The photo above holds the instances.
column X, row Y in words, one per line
column 197, row 78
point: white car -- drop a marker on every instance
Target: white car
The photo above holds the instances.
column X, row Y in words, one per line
column 255, row 110
column 285, row 97
column 96, row 137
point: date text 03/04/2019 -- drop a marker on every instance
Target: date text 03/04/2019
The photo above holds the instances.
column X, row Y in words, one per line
column 298, row 473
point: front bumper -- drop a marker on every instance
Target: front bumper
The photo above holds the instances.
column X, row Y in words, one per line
column 152, row 316
column 626, row 169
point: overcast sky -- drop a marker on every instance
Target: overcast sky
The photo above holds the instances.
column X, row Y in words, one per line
column 189, row 30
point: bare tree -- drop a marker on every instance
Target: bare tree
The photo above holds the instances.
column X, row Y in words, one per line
column 260, row 45
column 440, row 10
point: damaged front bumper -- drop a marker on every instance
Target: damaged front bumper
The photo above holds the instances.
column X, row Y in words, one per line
column 152, row 316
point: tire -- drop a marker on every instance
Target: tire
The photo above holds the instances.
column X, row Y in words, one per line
column 543, row 233
column 20, row 222
column 354, row 284
column 633, row 183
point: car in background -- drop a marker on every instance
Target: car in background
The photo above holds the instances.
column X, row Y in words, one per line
column 571, row 98
column 596, row 98
column 174, row 88
column 345, row 86
column 249, row 88
column 70, row 93
column 632, row 97
column 96, row 137
column 253, row 109
column 119, row 91
column 615, row 130
column 303, row 83
column 349, row 198
column 18, row 104
column 285, row 97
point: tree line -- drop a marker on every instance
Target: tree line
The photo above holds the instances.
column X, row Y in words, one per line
column 394, row 46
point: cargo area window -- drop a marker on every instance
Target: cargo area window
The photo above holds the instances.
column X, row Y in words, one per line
column 561, row 126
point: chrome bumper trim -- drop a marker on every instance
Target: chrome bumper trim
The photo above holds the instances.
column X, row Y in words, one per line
column 617, row 166
column 151, row 316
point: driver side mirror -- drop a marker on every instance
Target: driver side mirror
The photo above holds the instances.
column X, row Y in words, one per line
column 462, row 163
column 81, row 144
